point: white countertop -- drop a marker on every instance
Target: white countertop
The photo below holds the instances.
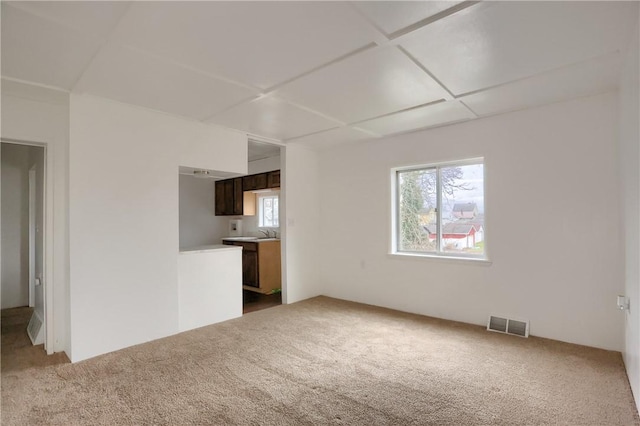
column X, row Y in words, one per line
column 249, row 239
column 208, row 248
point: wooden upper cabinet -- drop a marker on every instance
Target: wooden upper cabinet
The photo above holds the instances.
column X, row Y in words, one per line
column 254, row 182
column 237, row 196
column 273, row 179
column 221, row 205
column 229, row 197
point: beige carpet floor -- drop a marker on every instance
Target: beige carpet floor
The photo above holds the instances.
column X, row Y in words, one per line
column 325, row 361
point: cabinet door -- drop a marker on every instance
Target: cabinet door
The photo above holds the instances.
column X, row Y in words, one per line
column 261, row 181
column 254, row 182
column 273, row 179
column 220, row 198
column 250, row 268
column 238, row 197
column 249, row 183
column 229, row 197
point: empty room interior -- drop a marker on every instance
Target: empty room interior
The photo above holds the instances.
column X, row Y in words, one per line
column 322, row 212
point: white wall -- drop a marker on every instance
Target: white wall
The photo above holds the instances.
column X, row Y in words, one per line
column 123, row 186
column 15, row 225
column 198, row 223
column 39, row 115
column 630, row 196
column 301, row 224
column 210, row 286
column 551, row 175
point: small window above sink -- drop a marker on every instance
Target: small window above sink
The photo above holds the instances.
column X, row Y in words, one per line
column 268, row 210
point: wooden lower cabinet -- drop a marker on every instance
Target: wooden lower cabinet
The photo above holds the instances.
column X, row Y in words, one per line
column 250, row 265
column 261, row 265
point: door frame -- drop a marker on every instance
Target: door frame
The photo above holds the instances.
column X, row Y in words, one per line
column 32, row 235
column 47, row 234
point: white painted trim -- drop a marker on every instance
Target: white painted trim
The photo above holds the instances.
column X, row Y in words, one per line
column 47, row 232
column 263, row 139
column 33, row 83
column 283, row 225
column 452, row 259
column 32, row 235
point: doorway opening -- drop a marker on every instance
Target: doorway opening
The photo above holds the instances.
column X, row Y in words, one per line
column 22, row 215
column 263, row 286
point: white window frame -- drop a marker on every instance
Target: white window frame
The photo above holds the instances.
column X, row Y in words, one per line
column 259, row 198
column 395, row 212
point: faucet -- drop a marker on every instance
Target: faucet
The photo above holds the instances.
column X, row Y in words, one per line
column 267, row 233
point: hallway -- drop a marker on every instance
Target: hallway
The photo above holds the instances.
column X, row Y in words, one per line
column 17, row 351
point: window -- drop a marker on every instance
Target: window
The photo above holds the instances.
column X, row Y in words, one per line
column 268, row 211
column 439, row 210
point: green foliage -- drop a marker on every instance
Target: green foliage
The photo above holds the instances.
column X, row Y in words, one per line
column 418, row 193
column 411, row 204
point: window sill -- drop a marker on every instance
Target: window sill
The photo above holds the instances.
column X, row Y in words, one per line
column 447, row 259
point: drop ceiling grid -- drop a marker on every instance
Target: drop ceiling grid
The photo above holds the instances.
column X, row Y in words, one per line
column 130, row 76
column 476, row 53
column 391, row 17
column 256, row 43
column 493, row 44
column 590, row 77
column 419, row 118
column 421, row 92
column 332, row 137
column 98, row 18
column 39, row 50
column 370, row 84
column 273, row 118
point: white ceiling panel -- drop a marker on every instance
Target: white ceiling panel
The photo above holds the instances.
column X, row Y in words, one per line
column 391, row 16
column 497, row 42
column 130, row 76
column 256, row 43
column 419, row 118
column 582, row 79
column 98, row 18
column 332, row 137
column 272, row 118
column 366, row 85
column 41, row 51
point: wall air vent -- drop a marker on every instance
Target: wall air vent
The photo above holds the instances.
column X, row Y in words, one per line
column 35, row 329
column 508, row 326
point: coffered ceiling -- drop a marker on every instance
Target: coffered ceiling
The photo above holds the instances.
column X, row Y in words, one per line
column 320, row 73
